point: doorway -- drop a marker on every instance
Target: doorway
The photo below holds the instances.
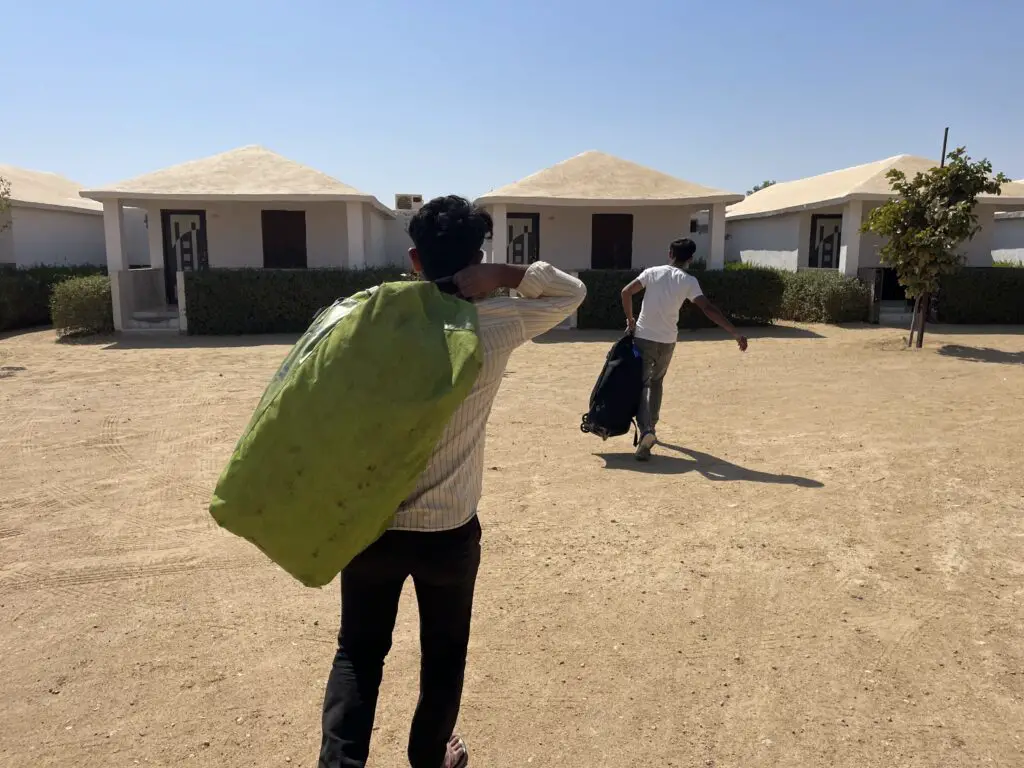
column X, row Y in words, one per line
column 826, row 237
column 284, row 239
column 184, row 247
column 523, row 238
column 611, row 241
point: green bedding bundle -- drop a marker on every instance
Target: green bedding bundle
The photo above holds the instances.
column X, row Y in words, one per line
column 347, row 425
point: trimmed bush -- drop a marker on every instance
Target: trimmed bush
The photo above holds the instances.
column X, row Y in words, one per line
column 25, row 293
column 732, row 266
column 80, row 306
column 982, row 295
column 250, row 301
column 818, row 296
column 746, row 297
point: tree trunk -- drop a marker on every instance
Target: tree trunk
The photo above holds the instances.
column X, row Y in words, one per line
column 926, row 302
column 913, row 321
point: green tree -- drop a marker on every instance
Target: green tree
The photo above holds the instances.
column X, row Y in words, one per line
column 929, row 218
column 5, row 202
column 763, row 185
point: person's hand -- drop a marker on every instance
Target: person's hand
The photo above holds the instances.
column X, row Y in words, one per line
column 631, row 326
column 478, row 280
column 742, row 342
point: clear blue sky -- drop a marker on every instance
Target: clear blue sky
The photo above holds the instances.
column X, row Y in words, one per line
column 438, row 97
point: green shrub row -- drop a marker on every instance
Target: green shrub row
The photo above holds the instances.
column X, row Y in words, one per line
column 982, row 295
column 80, row 306
column 823, row 297
column 243, row 301
column 746, row 295
column 252, row 301
column 25, row 293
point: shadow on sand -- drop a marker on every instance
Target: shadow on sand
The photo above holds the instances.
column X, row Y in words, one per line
column 708, row 466
column 982, row 354
column 176, row 341
column 563, row 336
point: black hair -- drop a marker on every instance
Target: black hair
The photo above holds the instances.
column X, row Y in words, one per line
column 448, row 233
column 682, row 250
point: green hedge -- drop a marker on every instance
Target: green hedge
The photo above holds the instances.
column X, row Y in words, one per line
column 982, row 295
column 25, row 293
column 746, row 295
column 245, row 301
column 823, row 297
column 81, row 306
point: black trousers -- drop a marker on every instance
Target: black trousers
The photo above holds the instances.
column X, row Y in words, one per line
column 443, row 567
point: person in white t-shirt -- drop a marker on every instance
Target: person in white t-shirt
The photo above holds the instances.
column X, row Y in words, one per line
column 666, row 289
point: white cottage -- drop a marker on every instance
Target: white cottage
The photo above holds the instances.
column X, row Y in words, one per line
column 596, row 211
column 249, row 207
column 815, row 223
column 1008, row 235
column 49, row 224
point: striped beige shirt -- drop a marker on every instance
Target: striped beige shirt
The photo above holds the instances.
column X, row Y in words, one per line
column 449, row 489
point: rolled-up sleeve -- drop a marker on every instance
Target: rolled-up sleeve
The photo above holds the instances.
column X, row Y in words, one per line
column 549, row 296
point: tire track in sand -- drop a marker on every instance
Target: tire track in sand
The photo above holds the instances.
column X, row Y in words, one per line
column 69, row 580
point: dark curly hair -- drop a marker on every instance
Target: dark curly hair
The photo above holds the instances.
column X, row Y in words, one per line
column 448, row 233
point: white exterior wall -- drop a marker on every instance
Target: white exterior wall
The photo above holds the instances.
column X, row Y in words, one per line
column 397, row 241
column 979, row 250
column 1007, row 240
column 234, row 232
column 136, row 237
column 155, row 236
column 565, row 234
column 6, row 240
column 56, row 238
column 771, row 241
column 783, row 241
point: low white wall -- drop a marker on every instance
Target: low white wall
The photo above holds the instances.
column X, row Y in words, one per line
column 56, row 238
column 1007, row 240
column 772, row 241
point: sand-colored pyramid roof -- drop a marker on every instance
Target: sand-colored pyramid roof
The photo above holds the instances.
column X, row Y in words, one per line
column 595, row 178
column 249, row 173
column 862, row 182
column 40, row 189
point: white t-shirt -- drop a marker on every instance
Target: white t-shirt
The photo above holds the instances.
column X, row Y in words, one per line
column 666, row 288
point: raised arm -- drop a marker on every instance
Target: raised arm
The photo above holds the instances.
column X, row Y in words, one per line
column 549, row 295
column 714, row 314
column 628, row 293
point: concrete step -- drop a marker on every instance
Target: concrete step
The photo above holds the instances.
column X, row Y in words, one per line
column 155, row 315
column 154, row 322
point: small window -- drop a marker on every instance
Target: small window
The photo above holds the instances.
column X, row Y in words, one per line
column 284, row 239
column 693, row 226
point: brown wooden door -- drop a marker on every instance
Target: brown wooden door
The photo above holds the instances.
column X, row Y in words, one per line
column 284, row 239
column 611, row 244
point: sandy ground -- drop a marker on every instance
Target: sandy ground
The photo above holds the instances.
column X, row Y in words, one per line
column 823, row 568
